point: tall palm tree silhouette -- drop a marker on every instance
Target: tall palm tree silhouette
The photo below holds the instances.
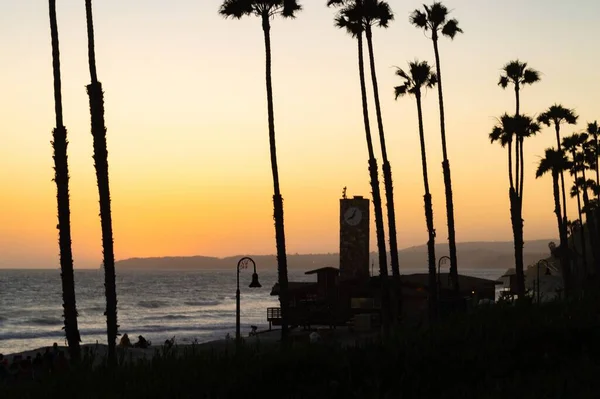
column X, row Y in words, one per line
column 519, row 75
column 435, row 19
column 96, row 95
column 594, row 131
column 557, row 115
column 555, row 162
column 419, row 78
column 349, row 18
column 585, row 158
column 509, row 130
column 571, row 144
column 379, row 13
column 265, row 10
column 61, row 177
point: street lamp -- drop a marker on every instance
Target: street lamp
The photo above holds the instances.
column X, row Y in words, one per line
column 545, row 262
column 243, row 264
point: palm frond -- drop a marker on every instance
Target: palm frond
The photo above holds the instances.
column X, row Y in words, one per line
column 437, row 14
column 236, row 8
column 419, row 19
column 503, row 82
column 530, row 76
column 290, row 8
column 451, row 28
column 400, row 91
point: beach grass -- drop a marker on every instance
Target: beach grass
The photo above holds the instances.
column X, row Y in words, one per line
column 524, row 351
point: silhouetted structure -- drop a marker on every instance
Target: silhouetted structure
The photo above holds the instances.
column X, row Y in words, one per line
column 348, row 296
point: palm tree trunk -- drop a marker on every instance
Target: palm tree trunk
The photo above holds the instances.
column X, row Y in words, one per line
column 61, row 177
column 564, row 259
column 597, row 170
column 277, row 198
column 433, row 292
column 96, row 96
column 562, row 178
column 447, row 175
column 389, row 186
column 379, row 229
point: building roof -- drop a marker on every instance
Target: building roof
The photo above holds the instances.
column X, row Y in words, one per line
column 323, row 269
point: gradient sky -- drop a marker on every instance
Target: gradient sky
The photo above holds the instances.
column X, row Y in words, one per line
column 187, row 125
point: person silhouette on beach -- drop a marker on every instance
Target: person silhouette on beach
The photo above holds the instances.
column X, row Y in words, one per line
column 125, row 341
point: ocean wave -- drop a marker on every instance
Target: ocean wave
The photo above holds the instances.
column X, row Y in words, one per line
column 168, row 317
column 205, row 302
column 151, row 304
column 44, row 321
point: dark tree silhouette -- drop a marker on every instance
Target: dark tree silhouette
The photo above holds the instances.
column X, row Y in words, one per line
column 420, row 77
column 555, row 161
column 571, row 144
column 557, row 115
column 518, row 74
column 594, row 131
column 61, row 177
column 509, row 130
column 265, row 10
column 96, row 95
column 349, row 19
column 585, row 185
column 435, row 19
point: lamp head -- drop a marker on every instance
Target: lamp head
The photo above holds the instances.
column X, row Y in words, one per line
column 255, row 283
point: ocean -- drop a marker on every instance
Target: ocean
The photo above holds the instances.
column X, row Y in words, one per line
column 189, row 305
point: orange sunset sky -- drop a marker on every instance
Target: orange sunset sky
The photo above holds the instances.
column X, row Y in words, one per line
column 187, row 126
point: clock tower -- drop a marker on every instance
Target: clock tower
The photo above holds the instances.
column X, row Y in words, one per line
column 354, row 238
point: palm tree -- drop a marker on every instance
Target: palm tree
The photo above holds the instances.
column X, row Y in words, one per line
column 420, row 77
column 435, row 19
column 557, row 115
column 585, row 185
column 267, row 9
column 508, row 130
column 96, row 96
column 594, row 131
column 348, row 19
column 378, row 13
column 519, row 75
column 571, row 144
column 555, row 161
column 61, row 177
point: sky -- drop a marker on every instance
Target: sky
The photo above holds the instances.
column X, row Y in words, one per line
column 187, row 124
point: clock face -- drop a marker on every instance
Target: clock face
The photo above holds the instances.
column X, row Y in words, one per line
column 353, row 216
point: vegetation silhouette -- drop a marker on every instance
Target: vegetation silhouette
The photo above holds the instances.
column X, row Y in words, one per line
column 555, row 162
column 418, row 78
column 557, row 115
column 61, row 178
column 571, row 146
column 349, row 18
column 594, row 131
column 265, row 10
column 519, row 75
column 509, row 130
column 96, row 95
column 586, row 185
column 435, row 19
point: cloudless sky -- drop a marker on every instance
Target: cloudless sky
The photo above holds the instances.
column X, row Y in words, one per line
column 187, row 125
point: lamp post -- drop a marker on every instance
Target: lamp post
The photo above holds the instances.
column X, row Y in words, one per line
column 545, row 262
column 243, row 264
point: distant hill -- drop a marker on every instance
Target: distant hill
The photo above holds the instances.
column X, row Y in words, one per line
column 471, row 255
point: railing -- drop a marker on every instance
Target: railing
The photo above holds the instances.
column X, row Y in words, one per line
column 273, row 314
